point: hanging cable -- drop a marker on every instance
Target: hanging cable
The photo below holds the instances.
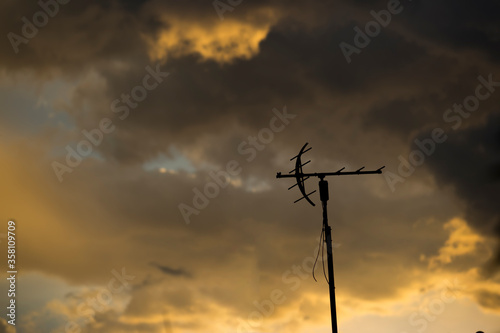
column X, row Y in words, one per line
column 321, row 236
column 323, row 256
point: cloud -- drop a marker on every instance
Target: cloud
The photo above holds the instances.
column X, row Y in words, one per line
column 171, row 271
column 5, row 327
column 490, row 300
column 464, row 161
column 457, row 25
column 226, row 79
column 462, row 241
column 222, row 42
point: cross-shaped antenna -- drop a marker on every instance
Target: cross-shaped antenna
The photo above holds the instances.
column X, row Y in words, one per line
column 301, row 177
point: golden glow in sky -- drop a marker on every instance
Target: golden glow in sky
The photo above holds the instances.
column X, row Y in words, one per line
column 139, row 146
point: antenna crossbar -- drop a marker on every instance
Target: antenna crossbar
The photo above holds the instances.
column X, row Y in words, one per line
column 336, row 173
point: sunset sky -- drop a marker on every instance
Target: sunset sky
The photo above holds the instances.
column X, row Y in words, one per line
column 140, row 142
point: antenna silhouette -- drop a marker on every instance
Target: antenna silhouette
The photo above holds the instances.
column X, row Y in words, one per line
column 301, row 177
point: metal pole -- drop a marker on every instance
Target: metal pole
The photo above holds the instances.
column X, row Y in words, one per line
column 323, row 191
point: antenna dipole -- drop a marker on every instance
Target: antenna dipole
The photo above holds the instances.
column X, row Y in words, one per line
column 300, row 178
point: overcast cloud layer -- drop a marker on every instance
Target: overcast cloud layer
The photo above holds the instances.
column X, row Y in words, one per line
column 165, row 97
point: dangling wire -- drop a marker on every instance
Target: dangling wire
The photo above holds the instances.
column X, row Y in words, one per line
column 322, row 240
column 323, row 258
column 321, row 236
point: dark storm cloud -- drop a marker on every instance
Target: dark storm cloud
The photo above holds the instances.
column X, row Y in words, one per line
column 298, row 61
column 465, row 161
column 171, row 271
column 202, row 96
column 237, row 249
column 460, row 25
column 78, row 36
column 299, row 64
column 444, row 81
column 403, row 116
column 112, row 28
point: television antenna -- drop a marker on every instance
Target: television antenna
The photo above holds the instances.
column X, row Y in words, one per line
column 300, row 178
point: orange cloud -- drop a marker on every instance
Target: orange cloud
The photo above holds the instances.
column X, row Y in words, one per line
column 222, row 42
column 462, row 241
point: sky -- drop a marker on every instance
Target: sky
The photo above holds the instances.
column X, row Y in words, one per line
column 140, row 142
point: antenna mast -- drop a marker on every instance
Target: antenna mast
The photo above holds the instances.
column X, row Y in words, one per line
column 301, row 177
